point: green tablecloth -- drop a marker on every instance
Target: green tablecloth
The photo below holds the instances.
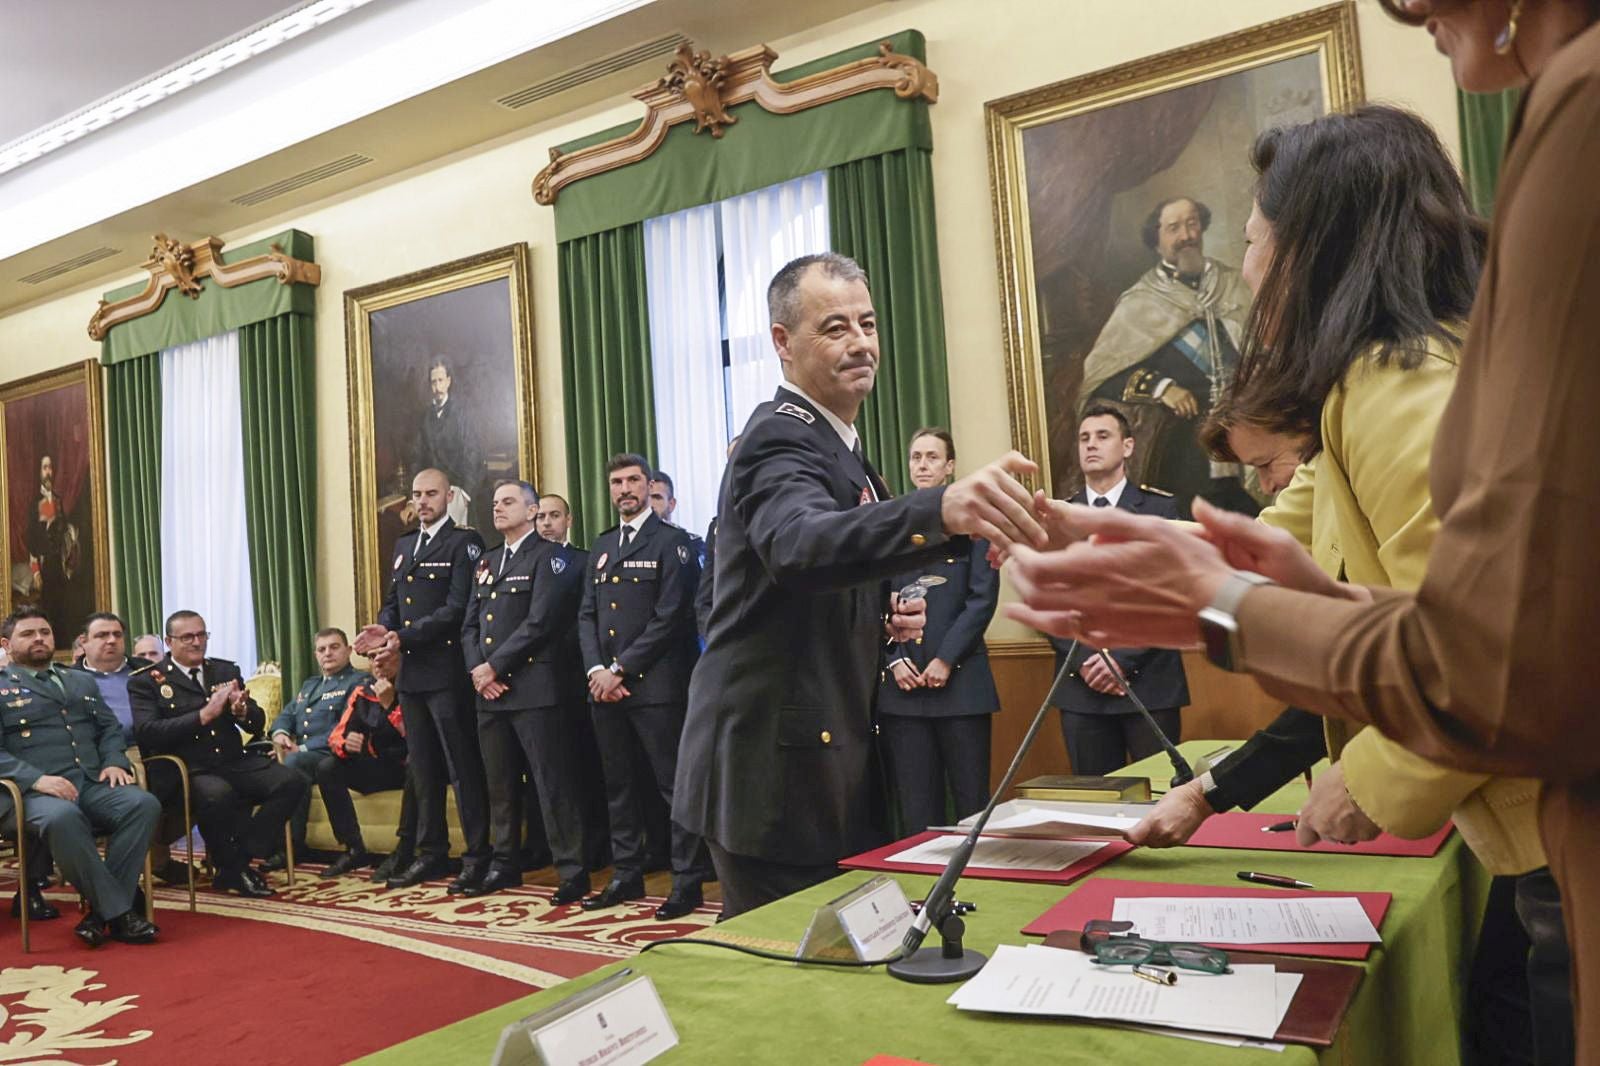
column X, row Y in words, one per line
column 731, row 1008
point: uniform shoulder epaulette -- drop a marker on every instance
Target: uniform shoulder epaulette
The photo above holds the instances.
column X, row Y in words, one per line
column 794, row 410
column 142, row 669
column 1155, row 491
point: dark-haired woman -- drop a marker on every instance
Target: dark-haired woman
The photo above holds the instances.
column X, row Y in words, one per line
column 1486, row 666
column 937, row 694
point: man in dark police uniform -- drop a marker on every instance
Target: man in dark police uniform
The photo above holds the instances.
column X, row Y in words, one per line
column 774, row 769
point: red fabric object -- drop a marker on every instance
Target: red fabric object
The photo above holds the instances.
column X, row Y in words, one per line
column 1241, row 829
column 1095, row 899
column 878, row 859
column 53, row 423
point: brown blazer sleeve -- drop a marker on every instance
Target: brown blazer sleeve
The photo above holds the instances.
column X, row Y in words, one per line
column 1490, row 665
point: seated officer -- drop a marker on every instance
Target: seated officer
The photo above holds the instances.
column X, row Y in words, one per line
column 187, row 705
column 61, row 743
column 301, row 730
column 369, row 755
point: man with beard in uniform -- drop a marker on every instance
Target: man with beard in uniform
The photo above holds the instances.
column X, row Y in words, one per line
column 421, row 623
column 775, row 768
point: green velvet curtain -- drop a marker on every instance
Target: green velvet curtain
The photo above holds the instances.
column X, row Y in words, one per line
column 881, row 215
column 1484, row 120
column 134, row 391
column 277, row 405
column 605, row 362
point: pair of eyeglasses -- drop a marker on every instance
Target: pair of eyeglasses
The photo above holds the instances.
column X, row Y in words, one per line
column 1112, row 944
column 189, row 638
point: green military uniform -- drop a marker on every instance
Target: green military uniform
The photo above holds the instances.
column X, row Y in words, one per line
column 308, row 719
column 54, row 723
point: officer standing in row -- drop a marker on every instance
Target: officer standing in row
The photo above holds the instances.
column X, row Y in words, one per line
column 421, row 623
column 61, row 743
column 637, row 631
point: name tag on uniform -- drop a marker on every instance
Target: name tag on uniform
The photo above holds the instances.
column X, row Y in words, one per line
column 619, row 1020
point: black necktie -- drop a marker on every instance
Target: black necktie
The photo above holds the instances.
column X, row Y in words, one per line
column 1102, row 502
column 422, row 541
column 505, row 560
column 627, row 535
column 199, row 684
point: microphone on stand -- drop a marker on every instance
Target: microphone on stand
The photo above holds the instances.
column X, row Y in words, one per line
column 951, row 961
column 1182, row 772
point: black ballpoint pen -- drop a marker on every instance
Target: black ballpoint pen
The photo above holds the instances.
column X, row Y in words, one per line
column 1275, row 880
column 1280, row 827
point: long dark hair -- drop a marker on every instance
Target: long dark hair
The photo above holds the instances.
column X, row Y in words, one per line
column 1376, row 245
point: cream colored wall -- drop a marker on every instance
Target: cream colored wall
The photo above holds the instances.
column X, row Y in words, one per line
column 479, row 199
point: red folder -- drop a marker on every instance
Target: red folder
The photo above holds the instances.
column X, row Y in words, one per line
column 878, row 859
column 1242, row 829
column 1095, row 899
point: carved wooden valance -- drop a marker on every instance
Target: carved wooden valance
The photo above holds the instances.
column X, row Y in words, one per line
column 701, row 88
column 175, row 265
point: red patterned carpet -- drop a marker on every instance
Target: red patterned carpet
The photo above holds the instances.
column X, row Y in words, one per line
column 327, row 972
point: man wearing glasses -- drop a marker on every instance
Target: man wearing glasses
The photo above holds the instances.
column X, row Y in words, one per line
column 194, row 707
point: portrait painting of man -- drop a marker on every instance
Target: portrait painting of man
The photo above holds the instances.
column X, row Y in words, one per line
column 54, row 478
column 1122, row 199
column 441, row 361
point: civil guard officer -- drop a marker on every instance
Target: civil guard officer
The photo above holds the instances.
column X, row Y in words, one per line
column 421, row 623
column 522, row 613
column 937, row 692
column 637, row 631
column 61, row 743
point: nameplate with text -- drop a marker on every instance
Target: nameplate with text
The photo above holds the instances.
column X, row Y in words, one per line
column 619, row 1021
column 869, row 922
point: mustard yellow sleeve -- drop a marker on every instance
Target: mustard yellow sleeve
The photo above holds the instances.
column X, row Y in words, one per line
column 1291, row 509
column 1404, row 793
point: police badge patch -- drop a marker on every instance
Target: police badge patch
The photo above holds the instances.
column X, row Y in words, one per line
column 398, row 559
column 683, row 553
column 600, row 563
column 473, row 551
column 166, row 692
column 557, row 565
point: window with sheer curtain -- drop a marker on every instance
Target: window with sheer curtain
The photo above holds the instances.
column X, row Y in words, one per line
column 707, row 269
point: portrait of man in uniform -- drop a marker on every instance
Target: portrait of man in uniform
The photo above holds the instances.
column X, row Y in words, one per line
column 54, row 477
column 442, row 366
column 1122, row 196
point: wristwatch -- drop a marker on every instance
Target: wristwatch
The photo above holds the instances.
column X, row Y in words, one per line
column 616, row 668
column 1219, row 626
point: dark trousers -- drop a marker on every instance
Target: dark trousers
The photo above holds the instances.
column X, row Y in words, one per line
column 543, row 737
column 1101, row 743
column 128, row 813
column 242, row 807
column 308, row 763
column 1549, row 967
column 929, row 754
column 405, row 832
column 620, row 729
column 334, row 778
column 748, row 882
column 442, row 745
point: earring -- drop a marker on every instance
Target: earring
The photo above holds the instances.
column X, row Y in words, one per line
column 1506, row 39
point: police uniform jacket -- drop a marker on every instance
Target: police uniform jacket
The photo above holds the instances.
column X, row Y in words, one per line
column 775, row 760
column 571, row 673
column 519, row 622
column 70, row 734
column 309, row 718
column 427, row 603
column 1156, row 674
column 166, row 714
column 638, row 610
column 958, row 613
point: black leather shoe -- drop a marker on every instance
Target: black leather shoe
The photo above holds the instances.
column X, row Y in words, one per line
column 571, row 891
column 679, row 902
column 614, row 893
column 349, row 861
column 173, row 872
column 494, row 881
column 274, row 862
column 91, row 931
column 468, row 879
column 396, row 861
column 245, row 881
column 131, row 928
column 39, row 908
column 419, row 871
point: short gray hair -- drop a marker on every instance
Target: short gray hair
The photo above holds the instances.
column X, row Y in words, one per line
column 530, row 495
column 783, row 295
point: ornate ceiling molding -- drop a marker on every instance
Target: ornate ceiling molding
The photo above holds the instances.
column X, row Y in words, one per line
column 701, row 88
column 175, row 265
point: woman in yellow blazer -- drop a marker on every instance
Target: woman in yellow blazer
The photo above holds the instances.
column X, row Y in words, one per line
column 1364, row 258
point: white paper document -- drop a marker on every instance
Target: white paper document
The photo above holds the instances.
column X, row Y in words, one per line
column 1002, row 853
column 1251, row 1001
column 1249, row 920
column 1053, row 820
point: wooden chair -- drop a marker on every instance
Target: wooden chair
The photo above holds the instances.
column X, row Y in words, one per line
column 188, row 821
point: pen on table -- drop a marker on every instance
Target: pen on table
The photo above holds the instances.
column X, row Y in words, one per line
column 1155, row 974
column 1275, row 880
column 1280, row 827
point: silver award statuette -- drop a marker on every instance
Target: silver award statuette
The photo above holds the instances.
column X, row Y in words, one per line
column 918, row 589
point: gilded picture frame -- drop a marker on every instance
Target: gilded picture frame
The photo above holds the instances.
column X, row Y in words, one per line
column 473, row 316
column 55, row 552
column 1079, row 170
